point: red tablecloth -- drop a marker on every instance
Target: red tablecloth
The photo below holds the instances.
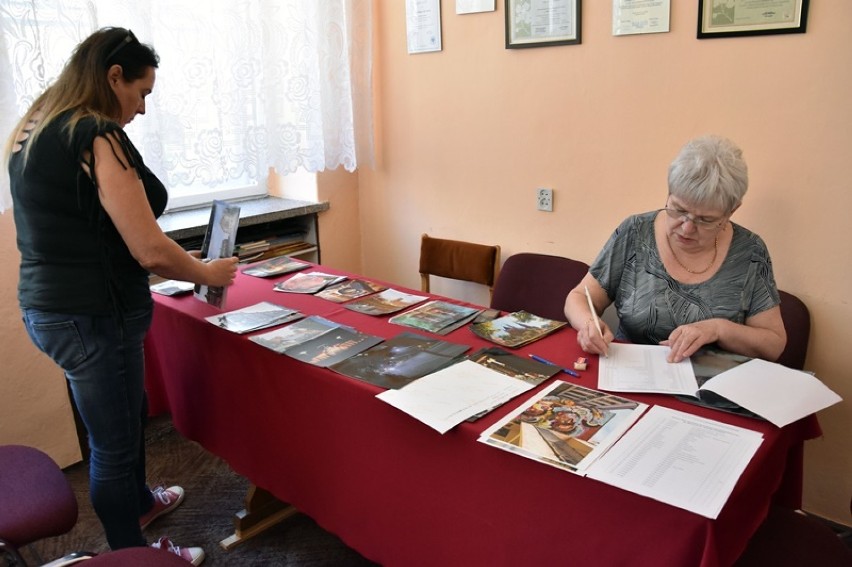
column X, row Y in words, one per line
column 401, row 493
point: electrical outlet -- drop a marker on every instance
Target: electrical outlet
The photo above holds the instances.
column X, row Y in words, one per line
column 544, row 199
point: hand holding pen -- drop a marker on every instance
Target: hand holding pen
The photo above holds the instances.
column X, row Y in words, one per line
column 595, row 336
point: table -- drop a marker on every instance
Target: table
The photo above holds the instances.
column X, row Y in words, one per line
column 402, row 494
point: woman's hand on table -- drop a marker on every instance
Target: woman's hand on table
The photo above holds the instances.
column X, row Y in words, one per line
column 687, row 339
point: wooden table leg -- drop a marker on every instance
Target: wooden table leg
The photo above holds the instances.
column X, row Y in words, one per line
column 262, row 511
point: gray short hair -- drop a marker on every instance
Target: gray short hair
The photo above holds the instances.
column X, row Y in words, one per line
column 709, row 171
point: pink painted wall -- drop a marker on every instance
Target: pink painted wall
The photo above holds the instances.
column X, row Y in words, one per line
column 467, row 134
column 34, row 408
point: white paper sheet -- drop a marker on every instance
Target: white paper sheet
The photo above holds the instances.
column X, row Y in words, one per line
column 779, row 394
column 680, row 459
column 445, row 398
column 644, row 368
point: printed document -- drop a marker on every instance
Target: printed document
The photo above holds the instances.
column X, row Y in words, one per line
column 644, row 368
column 678, row 458
column 447, row 397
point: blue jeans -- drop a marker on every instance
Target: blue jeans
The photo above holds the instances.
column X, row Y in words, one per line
column 103, row 361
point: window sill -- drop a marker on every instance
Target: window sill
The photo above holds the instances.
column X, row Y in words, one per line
column 193, row 222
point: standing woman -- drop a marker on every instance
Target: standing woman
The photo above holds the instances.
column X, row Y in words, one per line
column 85, row 208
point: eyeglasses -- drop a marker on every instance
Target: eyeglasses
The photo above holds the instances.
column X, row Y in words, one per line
column 128, row 39
column 704, row 223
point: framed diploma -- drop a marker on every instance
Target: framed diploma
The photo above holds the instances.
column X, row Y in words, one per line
column 734, row 18
column 539, row 23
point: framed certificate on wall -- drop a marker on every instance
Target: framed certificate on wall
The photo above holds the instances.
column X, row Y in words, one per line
column 734, row 18
column 539, row 23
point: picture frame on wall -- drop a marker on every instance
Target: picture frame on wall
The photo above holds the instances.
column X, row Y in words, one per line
column 541, row 23
column 737, row 18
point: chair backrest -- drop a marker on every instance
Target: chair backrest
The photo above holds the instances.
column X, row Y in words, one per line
column 37, row 500
column 537, row 283
column 458, row 260
column 797, row 322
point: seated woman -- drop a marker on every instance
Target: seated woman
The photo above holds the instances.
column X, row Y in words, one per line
column 685, row 276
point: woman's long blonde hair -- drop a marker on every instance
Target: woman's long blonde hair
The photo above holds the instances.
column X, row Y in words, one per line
column 82, row 86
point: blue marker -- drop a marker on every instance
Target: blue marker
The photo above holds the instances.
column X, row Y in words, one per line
column 545, row 361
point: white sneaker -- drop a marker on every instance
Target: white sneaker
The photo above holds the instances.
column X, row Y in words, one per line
column 194, row 555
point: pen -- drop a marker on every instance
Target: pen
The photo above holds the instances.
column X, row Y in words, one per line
column 594, row 313
column 545, row 361
column 595, row 317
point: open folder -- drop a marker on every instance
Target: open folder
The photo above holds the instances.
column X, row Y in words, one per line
column 774, row 392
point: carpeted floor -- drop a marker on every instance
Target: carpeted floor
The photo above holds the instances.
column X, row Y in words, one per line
column 213, row 494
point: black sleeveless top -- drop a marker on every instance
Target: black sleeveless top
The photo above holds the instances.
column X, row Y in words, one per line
column 73, row 259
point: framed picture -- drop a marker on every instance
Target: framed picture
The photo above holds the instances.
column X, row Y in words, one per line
column 736, row 18
column 539, row 23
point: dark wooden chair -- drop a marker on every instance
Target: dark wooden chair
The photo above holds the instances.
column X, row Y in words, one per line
column 458, row 260
column 537, row 283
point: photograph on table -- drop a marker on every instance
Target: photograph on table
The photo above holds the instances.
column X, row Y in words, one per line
column 439, row 317
column 308, row 282
column 333, row 346
column 384, row 303
column 516, row 329
column 402, row 359
column 566, row 426
column 350, row 289
column 275, row 267
column 515, row 366
column 297, row 333
column 255, row 317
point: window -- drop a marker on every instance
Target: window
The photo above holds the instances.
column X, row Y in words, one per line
column 243, row 85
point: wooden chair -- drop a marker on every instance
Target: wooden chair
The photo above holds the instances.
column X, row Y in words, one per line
column 458, row 260
column 797, row 322
column 537, row 283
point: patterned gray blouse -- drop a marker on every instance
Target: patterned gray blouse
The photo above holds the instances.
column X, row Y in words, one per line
column 651, row 304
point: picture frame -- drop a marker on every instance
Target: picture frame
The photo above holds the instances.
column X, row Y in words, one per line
column 738, row 18
column 542, row 23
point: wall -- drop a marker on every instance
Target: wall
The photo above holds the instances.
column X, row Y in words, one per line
column 34, row 408
column 467, row 134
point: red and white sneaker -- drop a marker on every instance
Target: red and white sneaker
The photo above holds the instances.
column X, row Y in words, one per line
column 165, row 501
column 194, row 555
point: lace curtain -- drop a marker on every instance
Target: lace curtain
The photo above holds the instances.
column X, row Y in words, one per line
column 243, row 85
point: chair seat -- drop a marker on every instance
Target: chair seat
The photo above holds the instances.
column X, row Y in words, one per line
column 38, row 501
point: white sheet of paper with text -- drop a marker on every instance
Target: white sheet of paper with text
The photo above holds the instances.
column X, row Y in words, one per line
column 644, row 368
column 449, row 396
column 681, row 459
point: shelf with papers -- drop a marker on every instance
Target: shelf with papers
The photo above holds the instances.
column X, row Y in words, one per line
column 269, row 227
